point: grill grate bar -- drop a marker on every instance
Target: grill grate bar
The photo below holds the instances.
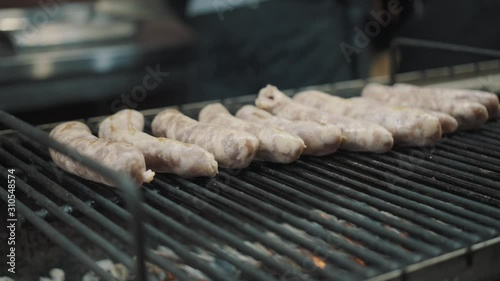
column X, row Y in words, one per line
column 296, row 256
column 187, row 256
column 472, row 164
column 57, row 212
column 196, row 263
column 344, row 211
column 483, row 137
column 220, row 233
column 120, row 212
column 468, row 154
column 481, row 185
column 58, row 238
column 458, row 185
column 373, row 242
column 364, row 254
column 68, row 208
column 433, row 213
column 489, row 135
column 481, row 149
column 380, row 204
column 318, row 247
column 420, row 193
column 359, row 214
column 91, row 213
column 195, row 237
column 433, row 178
column 132, row 197
column 457, row 162
column 493, row 148
column 492, row 127
column 73, row 201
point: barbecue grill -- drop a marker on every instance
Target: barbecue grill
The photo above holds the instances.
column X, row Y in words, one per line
column 411, row 214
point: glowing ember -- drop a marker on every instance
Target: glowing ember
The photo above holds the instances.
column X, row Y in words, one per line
column 352, row 241
column 319, row 262
column 170, row 277
column 360, row 261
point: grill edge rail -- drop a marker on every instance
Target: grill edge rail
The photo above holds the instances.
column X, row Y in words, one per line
column 131, row 194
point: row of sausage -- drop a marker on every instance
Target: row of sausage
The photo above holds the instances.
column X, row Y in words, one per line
column 278, row 129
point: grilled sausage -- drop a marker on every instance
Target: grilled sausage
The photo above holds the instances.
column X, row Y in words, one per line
column 275, row 145
column 118, row 156
column 448, row 123
column 359, row 136
column 408, row 126
column 489, row 100
column 232, row 148
column 319, row 139
column 161, row 154
column 122, row 120
column 468, row 114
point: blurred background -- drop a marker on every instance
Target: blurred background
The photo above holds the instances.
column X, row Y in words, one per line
column 62, row 59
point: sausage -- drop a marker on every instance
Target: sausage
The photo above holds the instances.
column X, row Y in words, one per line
column 319, row 139
column 448, row 123
column 161, row 154
column 407, row 126
column 233, row 149
column 122, row 120
column 275, row 145
column 359, row 136
column 489, row 100
column 469, row 115
column 118, row 156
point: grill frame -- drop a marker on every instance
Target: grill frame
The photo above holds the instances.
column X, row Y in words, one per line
column 458, row 259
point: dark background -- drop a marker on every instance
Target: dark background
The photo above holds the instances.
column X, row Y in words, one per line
column 289, row 43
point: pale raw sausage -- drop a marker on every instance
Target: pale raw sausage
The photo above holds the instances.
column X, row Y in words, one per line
column 275, row 145
column 320, row 139
column 118, row 156
column 408, row 126
column 489, row 100
column 161, row 154
column 468, row 114
column 232, row 148
column 359, row 135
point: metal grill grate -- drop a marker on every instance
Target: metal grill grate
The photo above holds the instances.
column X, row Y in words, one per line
column 347, row 216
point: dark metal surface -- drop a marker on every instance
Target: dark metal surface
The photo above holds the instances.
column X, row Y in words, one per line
column 397, row 43
column 64, row 61
column 129, row 194
column 410, row 214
